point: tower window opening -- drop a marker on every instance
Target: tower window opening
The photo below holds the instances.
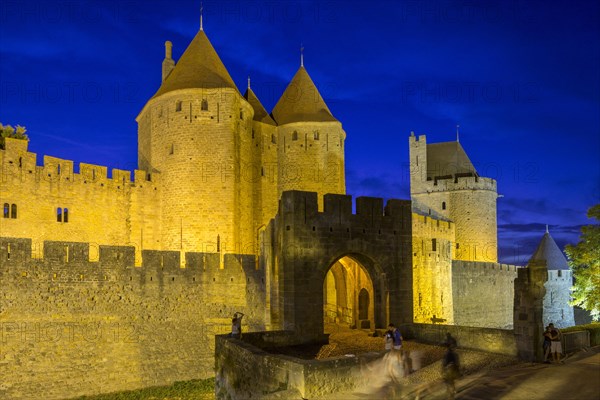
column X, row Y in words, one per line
column 20, row 162
column 62, row 214
column 6, row 210
column 443, row 205
column 316, row 135
column 13, row 211
column 433, row 245
column 218, row 243
column 172, row 150
column 58, row 169
column 559, row 273
column 241, row 114
column 273, row 139
column 204, row 105
column 457, row 246
column 295, row 135
column 178, row 106
column 262, row 171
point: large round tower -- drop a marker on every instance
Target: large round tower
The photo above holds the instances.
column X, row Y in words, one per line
column 310, row 140
column 195, row 132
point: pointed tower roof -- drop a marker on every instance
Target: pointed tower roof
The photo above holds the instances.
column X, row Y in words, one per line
column 198, row 67
column 301, row 102
column 448, row 158
column 260, row 114
column 548, row 252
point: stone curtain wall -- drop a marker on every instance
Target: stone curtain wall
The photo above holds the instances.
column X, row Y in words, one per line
column 501, row 341
column 529, row 311
column 305, row 243
column 483, row 294
column 71, row 327
column 111, row 211
column 245, row 369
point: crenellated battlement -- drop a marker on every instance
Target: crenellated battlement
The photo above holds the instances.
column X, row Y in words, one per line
column 301, row 208
column 20, row 164
column 431, row 223
column 70, row 261
column 456, row 182
column 470, row 266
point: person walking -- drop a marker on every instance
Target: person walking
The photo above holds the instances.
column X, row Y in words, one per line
column 450, row 370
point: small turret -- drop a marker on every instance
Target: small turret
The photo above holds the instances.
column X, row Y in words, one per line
column 558, row 285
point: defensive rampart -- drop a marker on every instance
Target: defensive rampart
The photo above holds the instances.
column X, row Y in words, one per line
column 71, row 327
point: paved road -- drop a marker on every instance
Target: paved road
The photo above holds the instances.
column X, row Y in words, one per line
column 577, row 379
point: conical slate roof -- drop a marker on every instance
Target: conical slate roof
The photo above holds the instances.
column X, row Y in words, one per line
column 198, row 67
column 301, row 101
column 447, row 158
column 549, row 252
column 260, row 114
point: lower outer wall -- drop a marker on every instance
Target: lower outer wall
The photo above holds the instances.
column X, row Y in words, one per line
column 500, row 341
column 108, row 326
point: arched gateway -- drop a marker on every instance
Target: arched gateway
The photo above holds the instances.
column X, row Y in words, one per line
column 338, row 266
column 348, row 293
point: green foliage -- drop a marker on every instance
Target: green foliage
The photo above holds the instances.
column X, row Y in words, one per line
column 584, row 259
column 188, row 390
column 593, row 329
column 7, row 131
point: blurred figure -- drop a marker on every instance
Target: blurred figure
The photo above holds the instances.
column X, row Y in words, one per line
column 450, row 341
column 450, row 370
column 382, row 378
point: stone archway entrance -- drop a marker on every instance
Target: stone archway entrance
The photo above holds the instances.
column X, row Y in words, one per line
column 348, row 295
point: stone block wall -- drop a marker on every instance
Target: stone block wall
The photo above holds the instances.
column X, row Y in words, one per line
column 433, row 242
column 483, row 294
column 112, row 210
column 250, row 368
column 501, row 341
column 72, row 327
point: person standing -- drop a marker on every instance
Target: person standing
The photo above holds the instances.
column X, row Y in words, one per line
column 547, row 344
column 555, row 344
column 389, row 339
column 396, row 336
column 236, row 325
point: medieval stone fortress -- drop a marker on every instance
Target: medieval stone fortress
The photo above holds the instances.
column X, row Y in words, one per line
column 132, row 274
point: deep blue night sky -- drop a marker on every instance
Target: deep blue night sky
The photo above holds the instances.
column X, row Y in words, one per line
column 522, row 78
